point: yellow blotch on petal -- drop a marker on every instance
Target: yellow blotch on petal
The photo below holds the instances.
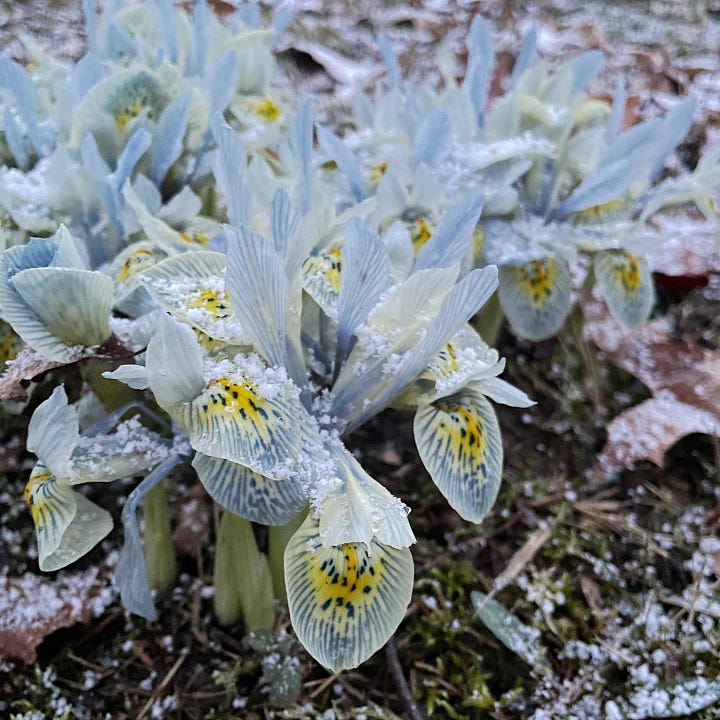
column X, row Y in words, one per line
column 239, row 398
column 135, row 263
column 343, row 581
column 131, row 110
column 463, row 433
column 626, row 271
column 377, row 172
column 10, row 343
column 599, row 213
column 420, row 231
column 216, row 303
column 195, row 238
column 266, row 110
column 537, row 280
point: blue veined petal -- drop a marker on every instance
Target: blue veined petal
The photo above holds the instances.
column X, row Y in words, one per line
column 221, row 79
column 363, row 278
column 67, row 524
column 53, row 432
column 130, row 573
column 626, row 284
column 502, row 392
column 248, row 494
column 338, row 151
column 527, row 56
column 391, row 62
column 345, row 602
column 87, row 73
column 169, row 135
column 230, row 169
column 58, row 309
column 634, row 157
column 617, row 117
column 458, row 439
column 191, row 286
column 284, row 223
column 198, row 42
column 358, row 395
column 174, row 364
column 90, row 17
column 73, row 305
column 536, row 296
column 321, row 279
column 481, row 54
column 168, row 28
column 15, row 139
column 131, row 450
column 301, row 139
column 243, row 417
column 258, row 287
column 14, row 77
column 433, row 139
column 450, row 243
column 361, row 509
column 584, row 68
column 465, row 358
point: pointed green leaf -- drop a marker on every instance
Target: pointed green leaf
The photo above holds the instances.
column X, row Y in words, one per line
column 345, row 602
column 458, row 439
column 515, row 635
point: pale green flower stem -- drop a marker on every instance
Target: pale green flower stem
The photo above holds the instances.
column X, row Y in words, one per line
column 243, row 585
column 160, row 558
column 278, row 538
column 489, row 320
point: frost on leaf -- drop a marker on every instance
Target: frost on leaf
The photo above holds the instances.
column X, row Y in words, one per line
column 515, row 635
column 20, row 372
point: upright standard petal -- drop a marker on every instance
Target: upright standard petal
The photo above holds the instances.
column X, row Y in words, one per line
column 53, row 432
column 345, row 602
column 258, row 289
column 73, row 305
column 361, row 509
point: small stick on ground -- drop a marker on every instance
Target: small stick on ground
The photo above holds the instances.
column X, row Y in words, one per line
column 402, row 686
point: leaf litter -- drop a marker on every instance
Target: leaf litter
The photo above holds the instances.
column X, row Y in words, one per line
column 637, row 635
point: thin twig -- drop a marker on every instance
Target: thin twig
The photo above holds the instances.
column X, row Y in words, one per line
column 402, row 686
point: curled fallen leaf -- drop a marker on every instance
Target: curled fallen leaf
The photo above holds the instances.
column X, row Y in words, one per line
column 684, row 379
column 33, row 607
column 27, row 366
column 30, row 365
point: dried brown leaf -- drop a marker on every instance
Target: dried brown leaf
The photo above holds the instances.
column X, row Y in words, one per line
column 683, row 378
column 27, row 366
column 646, row 431
column 33, row 607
